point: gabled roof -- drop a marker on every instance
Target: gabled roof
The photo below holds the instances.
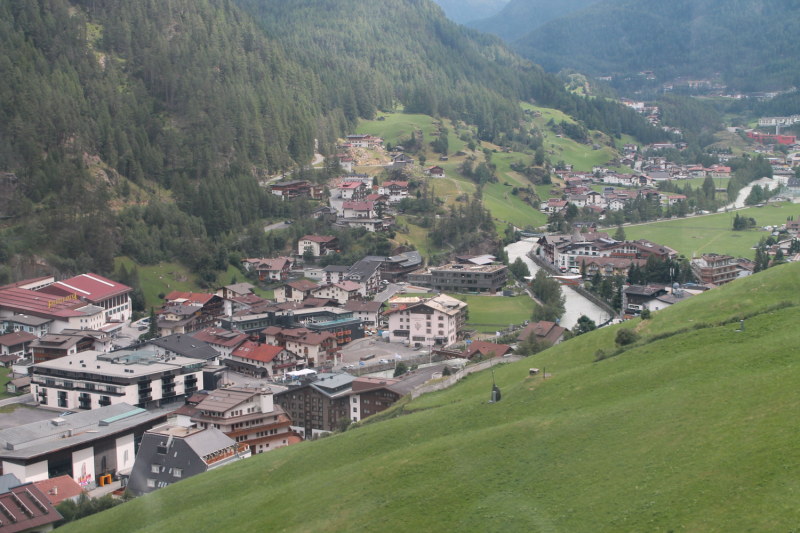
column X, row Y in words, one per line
column 240, row 288
column 358, row 206
column 401, row 184
column 35, row 515
column 318, row 238
column 348, row 286
column 368, row 307
column 220, row 337
column 485, row 348
column 12, row 339
column 256, row 351
column 91, row 287
column 303, row 285
column 549, row 331
column 351, row 185
column 58, row 489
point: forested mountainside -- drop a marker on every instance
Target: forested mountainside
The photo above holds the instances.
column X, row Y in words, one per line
column 752, row 43
column 368, row 52
column 520, row 17
column 463, row 11
column 155, row 96
column 140, row 127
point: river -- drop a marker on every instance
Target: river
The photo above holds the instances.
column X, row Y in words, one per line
column 576, row 304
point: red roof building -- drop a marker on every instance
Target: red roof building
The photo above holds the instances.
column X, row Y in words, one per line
column 96, row 290
column 58, row 489
column 28, row 509
column 263, row 360
column 544, row 331
column 486, row 349
column 223, row 340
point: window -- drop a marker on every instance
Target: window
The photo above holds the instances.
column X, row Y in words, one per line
column 355, row 401
column 177, row 472
column 151, row 483
column 355, row 409
column 155, row 469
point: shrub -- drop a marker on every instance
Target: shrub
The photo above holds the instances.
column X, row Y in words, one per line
column 625, row 337
column 446, row 371
column 161, row 295
column 646, row 314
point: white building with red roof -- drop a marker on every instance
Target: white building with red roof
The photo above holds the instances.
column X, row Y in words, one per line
column 263, row 360
column 353, row 190
column 319, row 244
column 59, row 312
column 112, row 296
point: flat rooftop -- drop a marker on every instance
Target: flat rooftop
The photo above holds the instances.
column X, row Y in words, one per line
column 468, row 268
column 124, row 363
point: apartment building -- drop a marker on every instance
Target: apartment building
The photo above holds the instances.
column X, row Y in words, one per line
column 248, row 416
column 435, row 321
column 715, row 269
column 462, row 278
column 91, row 379
column 317, row 404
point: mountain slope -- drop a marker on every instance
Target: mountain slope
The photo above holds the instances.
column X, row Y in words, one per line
column 522, row 16
column 463, row 11
column 693, row 429
column 751, row 42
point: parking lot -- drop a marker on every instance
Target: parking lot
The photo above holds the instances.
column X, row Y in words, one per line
column 381, row 350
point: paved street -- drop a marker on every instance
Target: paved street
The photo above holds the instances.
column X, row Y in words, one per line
column 279, row 225
column 129, row 333
column 381, row 350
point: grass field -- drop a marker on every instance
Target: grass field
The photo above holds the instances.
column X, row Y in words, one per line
column 695, row 432
column 157, row 279
column 496, row 310
column 713, row 233
column 581, row 156
column 5, row 377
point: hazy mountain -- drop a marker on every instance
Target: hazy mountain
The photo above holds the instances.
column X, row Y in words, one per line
column 752, row 43
column 521, row 16
column 464, row 11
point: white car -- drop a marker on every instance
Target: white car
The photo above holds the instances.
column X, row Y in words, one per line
column 383, row 361
column 575, row 270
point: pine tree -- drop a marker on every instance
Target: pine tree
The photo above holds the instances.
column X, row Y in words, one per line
column 152, row 333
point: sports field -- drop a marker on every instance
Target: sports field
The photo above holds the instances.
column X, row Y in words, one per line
column 496, row 311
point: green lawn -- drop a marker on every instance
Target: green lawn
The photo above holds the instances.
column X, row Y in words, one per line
column 693, row 433
column 5, row 377
column 161, row 278
column 496, row 310
column 713, row 233
column 418, row 237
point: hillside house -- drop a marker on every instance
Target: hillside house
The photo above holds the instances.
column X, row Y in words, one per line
column 296, row 291
column 353, row 190
column 260, row 360
column 544, row 332
column 289, row 190
column 352, row 210
column 395, row 190
column 485, row 350
column 319, row 245
column 435, row 172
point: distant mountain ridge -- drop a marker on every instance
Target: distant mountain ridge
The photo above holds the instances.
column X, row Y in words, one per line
column 520, row 17
column 752, row 43
column 465, row 11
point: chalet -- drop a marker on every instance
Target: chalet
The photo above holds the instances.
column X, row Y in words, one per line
column 222, row 340
column 637, row 298
column 358, row 210
column 485, row 350
column 435, row 172
column 353, row 190
column 629, row 148
column 314, row 347
column 544, row 332
column 259, row 360
column 555, row 205
column 274, row 269
column 15, row 346
column 318, row 244
column 675, row 198
column 395, row 190
column 341, row 292
column 346, row 162
column 377, row 200
column 324, row 211
column 402, row 160
column 291, row 189
column 296, row 291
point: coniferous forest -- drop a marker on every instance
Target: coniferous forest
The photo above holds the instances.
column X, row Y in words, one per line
column 142, row 127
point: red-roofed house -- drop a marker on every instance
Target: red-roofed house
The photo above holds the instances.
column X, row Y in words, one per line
column 675, row 198
column 296, row 291
column 555, row 205
column 112, row 296
column 260, row 359
column 274, row 269
column 544, row 331
column 486, row 349
column 58, row 489
column 222, row 340
column 358, row 210
column 320, row 245
column 211, row 306
column 315, row 347
column 39, row 516
column 353, row 190
column 435, row 171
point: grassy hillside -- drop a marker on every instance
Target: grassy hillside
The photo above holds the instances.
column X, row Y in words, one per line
column 713, row 233
column 693, row 432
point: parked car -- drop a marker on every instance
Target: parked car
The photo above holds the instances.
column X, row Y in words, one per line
column 383, row 361
column 575, row 270
column 142, row 328
column 66, row 413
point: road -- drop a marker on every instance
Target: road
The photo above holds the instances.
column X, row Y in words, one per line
column 576, row 305
column 317, row 160
column 279, row 225
column 387, row 293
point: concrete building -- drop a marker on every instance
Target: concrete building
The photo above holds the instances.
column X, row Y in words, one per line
column 113, row 297
column 171, row 453
column 317, row 404
column 434, row 321
column 368, row 312
column 89, row 380
column 83, row 445
column 462, row 278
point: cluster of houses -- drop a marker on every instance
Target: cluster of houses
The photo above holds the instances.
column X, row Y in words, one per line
column 598, row 252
